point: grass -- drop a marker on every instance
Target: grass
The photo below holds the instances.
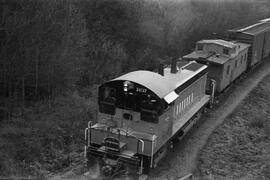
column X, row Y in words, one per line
column 240, row 147
column 48, row 139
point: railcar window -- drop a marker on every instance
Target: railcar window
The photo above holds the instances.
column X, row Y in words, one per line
column 228, row 70
column 225, row 51
column 199, row 47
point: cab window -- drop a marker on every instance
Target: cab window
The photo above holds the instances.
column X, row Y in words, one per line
column 107, row 100
column 151, row 108
column 199, row 47
column 226, row 51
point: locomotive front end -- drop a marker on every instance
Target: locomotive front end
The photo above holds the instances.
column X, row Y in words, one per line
column 126, row 134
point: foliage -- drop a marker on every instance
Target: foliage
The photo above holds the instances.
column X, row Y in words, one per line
column 49, row 47
column 239, row 148
column 49, row 139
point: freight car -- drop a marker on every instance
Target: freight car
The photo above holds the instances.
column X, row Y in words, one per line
column 258, row 36
column 142, row 111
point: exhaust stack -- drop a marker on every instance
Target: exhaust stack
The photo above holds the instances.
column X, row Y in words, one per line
column 161, row 69
column 173, row 66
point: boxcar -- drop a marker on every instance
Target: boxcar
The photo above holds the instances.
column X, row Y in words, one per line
column 258, row 36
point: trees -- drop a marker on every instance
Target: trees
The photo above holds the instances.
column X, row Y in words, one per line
column 48, row 47
column 42, row 44
column 111, row 37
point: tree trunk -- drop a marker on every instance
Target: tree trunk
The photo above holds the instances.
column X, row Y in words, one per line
column 36, row 72
column 10, row 104
column 23, row 94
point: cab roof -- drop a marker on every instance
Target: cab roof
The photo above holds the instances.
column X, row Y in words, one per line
column 165, row 85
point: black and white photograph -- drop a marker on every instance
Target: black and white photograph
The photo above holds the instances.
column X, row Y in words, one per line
column 134, row 89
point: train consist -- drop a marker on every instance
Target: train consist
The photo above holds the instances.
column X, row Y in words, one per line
column 141, row 112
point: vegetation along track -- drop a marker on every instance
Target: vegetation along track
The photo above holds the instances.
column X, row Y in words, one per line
column 181, row 160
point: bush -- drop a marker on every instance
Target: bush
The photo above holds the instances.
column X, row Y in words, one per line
column 257, row 123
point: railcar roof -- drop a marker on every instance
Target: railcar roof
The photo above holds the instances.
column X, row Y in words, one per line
column 218, row 42
column 255, row 29
column 163, row 85
column 242, row 46
column 208, row 57
column 265, row 20
column 199, row 54
column 212, row 57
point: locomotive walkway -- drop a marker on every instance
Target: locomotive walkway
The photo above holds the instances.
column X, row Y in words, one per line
column 183, row 157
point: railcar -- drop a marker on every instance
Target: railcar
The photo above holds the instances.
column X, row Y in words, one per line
column 258, row 36
column 227, row 60
column 141, row 112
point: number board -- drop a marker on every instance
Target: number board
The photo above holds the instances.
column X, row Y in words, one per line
column 142, row 90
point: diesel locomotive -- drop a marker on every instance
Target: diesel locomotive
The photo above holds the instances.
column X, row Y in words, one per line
column 142, row 112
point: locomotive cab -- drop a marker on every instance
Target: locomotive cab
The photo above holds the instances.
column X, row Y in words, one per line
column 131, row 97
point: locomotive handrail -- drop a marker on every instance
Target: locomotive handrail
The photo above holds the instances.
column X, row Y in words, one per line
column 87, row 136
column 89, row 124
column 140, row 140
column 89, row 133
column 141, row 165
column 213, row 88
